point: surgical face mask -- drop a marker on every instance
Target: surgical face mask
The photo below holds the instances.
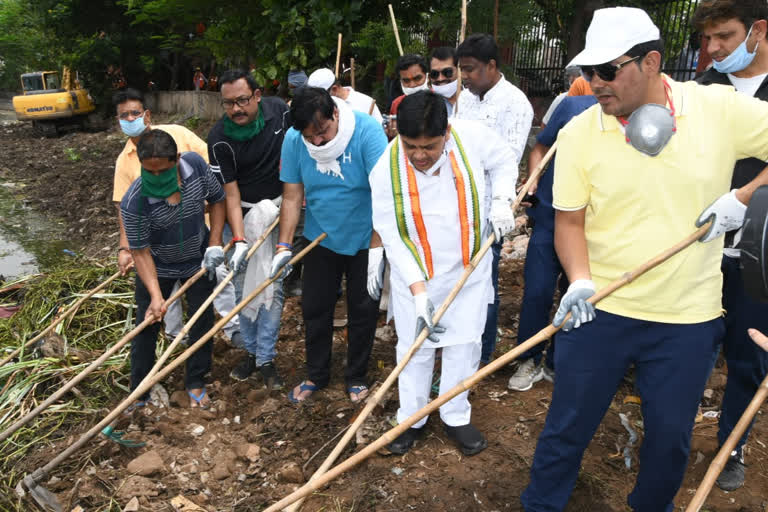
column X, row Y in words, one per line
column 133, row 128
column 738, row 60
column 411, row 90
column 649, row 128
column 446, row 90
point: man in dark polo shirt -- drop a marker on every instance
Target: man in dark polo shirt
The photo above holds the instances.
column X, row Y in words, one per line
column 244, row 147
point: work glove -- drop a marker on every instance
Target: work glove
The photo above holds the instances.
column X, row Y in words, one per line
column 376, row 266
column 575, row 302
column 502, row 217
column 237, row 262
column 280, row 264
column 214, row 256
column 727, row 214
column 424, row 313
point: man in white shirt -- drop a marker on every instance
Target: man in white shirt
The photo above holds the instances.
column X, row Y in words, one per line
column 325, row 79
column 430, row 211
column 489, row 98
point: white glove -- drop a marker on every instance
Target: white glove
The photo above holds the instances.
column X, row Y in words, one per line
column 424, row 313
column 280, row 264
column 237, row 261
column 502, row 217
column 214, row 256
column 727, row 214
column 376, row 266
column 575, row 302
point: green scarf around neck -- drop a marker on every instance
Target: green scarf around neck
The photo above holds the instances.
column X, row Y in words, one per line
column 244, row 132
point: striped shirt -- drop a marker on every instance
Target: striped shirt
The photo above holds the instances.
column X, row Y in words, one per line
column 175, row 233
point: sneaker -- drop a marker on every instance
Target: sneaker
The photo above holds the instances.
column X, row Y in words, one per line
column 732, row 476
column 271, row 378
column 528, row 373
column 470, row 440
column 549, row 374
column 404, row 441
column 244, row 368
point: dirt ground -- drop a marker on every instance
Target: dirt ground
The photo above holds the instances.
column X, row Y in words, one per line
column 254, row 447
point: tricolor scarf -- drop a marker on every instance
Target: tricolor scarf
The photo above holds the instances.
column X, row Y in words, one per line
column 410, row 223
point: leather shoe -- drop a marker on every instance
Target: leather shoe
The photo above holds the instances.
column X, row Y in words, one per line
column 470, row 440
column 404, row 441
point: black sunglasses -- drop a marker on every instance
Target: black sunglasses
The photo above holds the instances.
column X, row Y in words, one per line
column 607, row 71
column 446, row 72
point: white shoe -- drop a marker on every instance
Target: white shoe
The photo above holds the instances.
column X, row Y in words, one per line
column 549, row 373
column 528, row 373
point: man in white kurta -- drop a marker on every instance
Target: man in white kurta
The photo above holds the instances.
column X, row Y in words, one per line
column 431, row 212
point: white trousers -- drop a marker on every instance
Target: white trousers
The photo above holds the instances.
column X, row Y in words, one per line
column 415, row 381
column 224, row 302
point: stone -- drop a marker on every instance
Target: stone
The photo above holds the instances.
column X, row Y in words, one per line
column 385, row 333
column 221, row 471
column 196, row 430
column 291, row 473
column 136, row 486
column 717, row 381
column 249, row 451
column 146, row 464
column 132, row 505
column 179, row 399
column 270, row 406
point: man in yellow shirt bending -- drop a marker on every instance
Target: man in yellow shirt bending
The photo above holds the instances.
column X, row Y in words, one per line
column 634, row 175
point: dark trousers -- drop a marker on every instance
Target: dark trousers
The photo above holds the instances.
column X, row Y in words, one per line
column 747, row 362
column 144, row 344
column 672, row 363
column 492, row 320
column 323, row 270
column 542, row 270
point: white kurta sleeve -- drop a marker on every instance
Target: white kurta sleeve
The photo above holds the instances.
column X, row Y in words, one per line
column 500, row 162
column 385, row 224
column 515, row 121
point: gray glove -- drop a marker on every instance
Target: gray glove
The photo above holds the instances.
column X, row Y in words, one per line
column 214, row 256
column 575, row 302
column 237, row 261
column 424, row 313
column 280, row 265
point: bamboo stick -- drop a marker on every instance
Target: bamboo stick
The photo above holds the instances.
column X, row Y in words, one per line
column 377, row 397
column 352, row 72
column 69, row 312
column 145, row 386
column 394, row 27
column 463, row 33
column 465, row 385
column 338, row 56
column 718, row 463
column 370, row 109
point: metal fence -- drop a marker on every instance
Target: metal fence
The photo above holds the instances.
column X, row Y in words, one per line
column 538, row 57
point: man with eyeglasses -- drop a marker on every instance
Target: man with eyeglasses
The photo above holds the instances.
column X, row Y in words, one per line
column 244, row 148
column 735, row 34
column 633, row 177
column 134, row 120
column 489, row 98
column 444, row 75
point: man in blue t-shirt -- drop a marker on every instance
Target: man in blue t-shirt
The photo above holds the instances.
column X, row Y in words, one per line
column 326, row 159
column 542, row 268
column 163, row 212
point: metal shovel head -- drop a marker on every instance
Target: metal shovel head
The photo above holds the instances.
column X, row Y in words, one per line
column 45, row 498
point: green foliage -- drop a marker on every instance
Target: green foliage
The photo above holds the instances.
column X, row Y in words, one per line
column 23, row 43
column 72, row 154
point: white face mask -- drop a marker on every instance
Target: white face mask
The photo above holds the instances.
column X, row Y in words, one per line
column 411, row 90
column 446, row 90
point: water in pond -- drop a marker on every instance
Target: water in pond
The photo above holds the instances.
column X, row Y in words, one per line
column 29, row 240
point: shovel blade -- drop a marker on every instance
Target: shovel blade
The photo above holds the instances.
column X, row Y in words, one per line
column 45, row 498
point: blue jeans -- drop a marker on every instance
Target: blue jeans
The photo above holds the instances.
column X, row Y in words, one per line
column 672, row 363
column 260, row 335
column 541, row 272
column 747, row 362
column 492, row 320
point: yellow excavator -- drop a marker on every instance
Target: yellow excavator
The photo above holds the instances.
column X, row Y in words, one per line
column 52, row 104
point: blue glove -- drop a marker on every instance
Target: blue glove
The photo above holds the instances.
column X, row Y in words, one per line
column 575, row 302
column 424, row 313
column 280, row 265
column 214, row 256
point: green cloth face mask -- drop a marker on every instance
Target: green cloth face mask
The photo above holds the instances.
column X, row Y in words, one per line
column 160, row 185
column 244, row 132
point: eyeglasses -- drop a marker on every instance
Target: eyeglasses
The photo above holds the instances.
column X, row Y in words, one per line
column 607, row 71
column 240, row 102
column 446, row 72
column 131, row 113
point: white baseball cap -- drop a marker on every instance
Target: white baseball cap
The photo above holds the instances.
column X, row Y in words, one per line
column 323, row 78
column 612, row 32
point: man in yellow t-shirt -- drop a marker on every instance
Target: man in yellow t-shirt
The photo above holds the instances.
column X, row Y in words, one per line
column 134, row 120
column 621, row 198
